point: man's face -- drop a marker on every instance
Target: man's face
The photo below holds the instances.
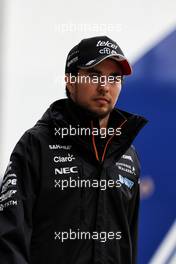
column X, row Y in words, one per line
column 97, row 89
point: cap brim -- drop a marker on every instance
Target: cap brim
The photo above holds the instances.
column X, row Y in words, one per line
column 125, row 65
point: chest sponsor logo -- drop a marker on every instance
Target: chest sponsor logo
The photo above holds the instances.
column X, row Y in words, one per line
column 68, row 158
column 65, row 147
column 126, row 167
column 66, row 170
column 127, row 157
column 126, row 181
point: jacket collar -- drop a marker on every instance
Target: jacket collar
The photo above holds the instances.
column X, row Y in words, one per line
column 65, row 112
column 68, row 111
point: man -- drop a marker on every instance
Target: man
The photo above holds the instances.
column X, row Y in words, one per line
column 70, row 194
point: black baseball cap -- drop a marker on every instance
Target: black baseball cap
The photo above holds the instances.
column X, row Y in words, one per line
column 91, row 51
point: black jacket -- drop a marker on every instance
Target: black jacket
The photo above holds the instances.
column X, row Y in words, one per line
column 71, row 199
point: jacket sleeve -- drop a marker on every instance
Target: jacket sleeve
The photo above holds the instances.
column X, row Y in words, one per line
column 17, row 196
column 134, row 210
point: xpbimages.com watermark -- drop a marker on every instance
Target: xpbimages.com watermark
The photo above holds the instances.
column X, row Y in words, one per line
column 84, row 183
column 90, row 78
column 83, row 235
column 93, row 79
column 86, row 131
column 100, row 28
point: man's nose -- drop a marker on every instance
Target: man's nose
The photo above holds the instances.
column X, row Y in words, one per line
column 103, row 84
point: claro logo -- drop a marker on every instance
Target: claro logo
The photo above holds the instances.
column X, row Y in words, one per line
column 66, row 170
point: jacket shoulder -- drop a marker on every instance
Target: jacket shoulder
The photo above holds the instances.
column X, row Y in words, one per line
column 37, row 131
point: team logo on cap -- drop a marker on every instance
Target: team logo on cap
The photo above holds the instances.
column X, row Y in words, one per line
column 107, row 51
column 90, row 62
column 107, row 44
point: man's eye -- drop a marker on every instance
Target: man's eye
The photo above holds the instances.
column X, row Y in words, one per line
column 112, row 78
column 117, row 78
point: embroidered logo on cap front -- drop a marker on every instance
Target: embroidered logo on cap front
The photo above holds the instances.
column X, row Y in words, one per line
column 107, row 44
column 90, row 62
column 107, row 51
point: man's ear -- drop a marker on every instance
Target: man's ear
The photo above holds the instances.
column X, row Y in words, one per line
column 70, row 81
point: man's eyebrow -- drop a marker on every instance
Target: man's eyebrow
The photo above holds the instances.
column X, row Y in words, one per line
column 94, row 70
column 116, row 73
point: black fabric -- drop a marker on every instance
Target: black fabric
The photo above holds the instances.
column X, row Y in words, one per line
column 34, row 209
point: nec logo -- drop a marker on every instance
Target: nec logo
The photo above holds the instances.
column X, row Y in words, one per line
column 66, row 170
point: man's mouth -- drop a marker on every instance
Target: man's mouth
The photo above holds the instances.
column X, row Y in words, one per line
column 102, row 100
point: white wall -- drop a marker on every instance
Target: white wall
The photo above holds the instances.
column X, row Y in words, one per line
column 36, row 36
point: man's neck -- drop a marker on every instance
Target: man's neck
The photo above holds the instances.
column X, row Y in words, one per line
column 104, row 121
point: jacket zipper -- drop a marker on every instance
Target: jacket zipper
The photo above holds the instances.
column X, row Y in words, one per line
column 106, row 146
